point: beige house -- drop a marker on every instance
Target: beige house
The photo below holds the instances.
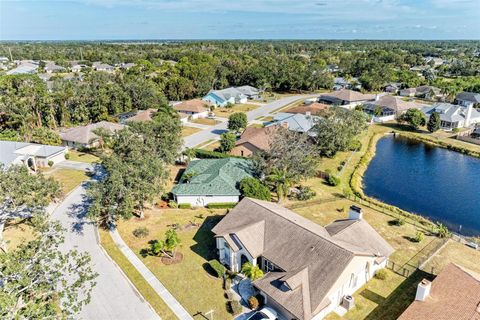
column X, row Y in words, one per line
column 194, row 109
column 142, row 116
column 253, row 140
column 345, row 98
column 309, row 270
column 84, row 136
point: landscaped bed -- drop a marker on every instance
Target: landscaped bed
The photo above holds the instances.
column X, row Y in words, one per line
column 194, row 287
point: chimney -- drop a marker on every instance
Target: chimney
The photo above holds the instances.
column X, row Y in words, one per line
column 468, row 114
column 355, row 213
column 423, row 290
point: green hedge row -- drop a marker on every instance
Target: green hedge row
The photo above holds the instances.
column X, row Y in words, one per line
column 221, row 205
column 184, row 206
column 207, row 154
column 217, row 267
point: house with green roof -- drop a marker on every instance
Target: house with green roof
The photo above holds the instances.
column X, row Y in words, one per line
column 212, row 181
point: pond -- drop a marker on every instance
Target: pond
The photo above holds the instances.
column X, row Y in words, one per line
column 437, row 183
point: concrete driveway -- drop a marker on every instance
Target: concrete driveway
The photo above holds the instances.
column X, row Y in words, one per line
column 214, row 132
column 113, row 297
column 76, row 165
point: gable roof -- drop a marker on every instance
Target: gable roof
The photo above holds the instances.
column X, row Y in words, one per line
column 348, row 95
column 454, row 294
column 248, row 90
column 258, row 137
column 194, row 105
column 310, row 259
column 214, row 177
column 396, row 104
column 296, row 121
column 450, row 112
column 469, row 96
column 84, row 134
column 12, row 151
column 142, row 115
column 226, row 94
column 314, row 108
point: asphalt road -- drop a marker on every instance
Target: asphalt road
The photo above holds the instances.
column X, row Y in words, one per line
column 113, row 297
column 214, row 132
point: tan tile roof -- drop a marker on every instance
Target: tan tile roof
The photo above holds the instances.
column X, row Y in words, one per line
column 194, row 105
column 396, row 103
column 349, row 95
column 454, row 295
column 295, row 244
column 142, row 115
column 313, row 108
column 84, row 134
column 258, row 137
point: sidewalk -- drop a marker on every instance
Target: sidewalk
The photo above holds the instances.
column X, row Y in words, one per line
column 170, row 300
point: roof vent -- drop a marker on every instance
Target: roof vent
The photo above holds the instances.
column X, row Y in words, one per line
column 423, row 290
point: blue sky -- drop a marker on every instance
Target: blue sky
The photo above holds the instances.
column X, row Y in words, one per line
column 247, row 19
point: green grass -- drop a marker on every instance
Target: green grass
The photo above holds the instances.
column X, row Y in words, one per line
column 135, row 277
column 188, row 281
column 82, row 157
column 226, row 112
column 69, row 179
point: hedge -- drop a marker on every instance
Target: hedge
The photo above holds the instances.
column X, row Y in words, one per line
column 221, row 205
column 184, row 206
column 217, row 267
column 207, row 154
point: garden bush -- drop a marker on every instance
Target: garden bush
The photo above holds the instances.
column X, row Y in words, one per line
column 221, row 205
column 419, row 236
column 234, row 307
column 227, row 283
column 207, row 154
column 333, row 180
column 172, row 204
column 400, row 221
column 305, row 193
column 67, row 156
column 381, row 274
column 253, row 303
column 184, row 206
column 141, row 232
column 50, row 163
column 217, row 267
column 254, row 188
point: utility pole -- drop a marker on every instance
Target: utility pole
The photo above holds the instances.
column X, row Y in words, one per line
column 81, row 54
column 10, row 51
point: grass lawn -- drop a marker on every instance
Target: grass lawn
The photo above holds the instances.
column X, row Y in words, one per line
column 226, row 112
column 188, row 131
column 135, row 277
column 457, row 253
column 383, row 299
column 17, row 232
column 188, row 281
column 69, row 179
column 205, row 121
column 211, row 146
column 82, row 156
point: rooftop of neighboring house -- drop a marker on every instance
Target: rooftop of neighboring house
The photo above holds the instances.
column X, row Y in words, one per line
column 310, row 258
column 214, row 177
column 194, row 106
column 312, row 108
column 226, row 94
column 454, row 294
column 258, row 137
column 23, row 68
column 84, row 134
column 142, row 115
column 51, row 66
column 396, row 104
column 295, row 121
column 127, row 65
column 101, row 65
column 469, row 96
column 12, row 151
column 248, row 90
column 423, row 89
column 348, row 96
column 450, row 112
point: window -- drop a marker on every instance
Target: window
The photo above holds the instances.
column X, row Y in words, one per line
column 353, row 280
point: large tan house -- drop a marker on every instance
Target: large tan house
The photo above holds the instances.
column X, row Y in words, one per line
column 253, row 140
column 85, row 137
column 309, row 270
column 194, row 109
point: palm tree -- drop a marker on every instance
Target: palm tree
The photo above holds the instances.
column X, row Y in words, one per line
column 252, row 272
column 442, row 231
column 280, row 182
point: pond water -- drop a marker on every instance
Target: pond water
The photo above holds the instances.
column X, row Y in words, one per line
column 437, row 183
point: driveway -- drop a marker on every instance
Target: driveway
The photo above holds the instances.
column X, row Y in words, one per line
column 113, row 297
column 214, row 132
column 76, row 165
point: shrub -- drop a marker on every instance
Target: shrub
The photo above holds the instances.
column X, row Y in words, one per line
column 254, row 188
column 221, row 205
column 67, row 156
column 455, row 130
column 184, row 206
column 400, row 221
column 253, row 302
column 172, row 204
column 381, row 274
column 442, row 231
column 333, row 180
column 217, row 267
column 234, row 307
column 50, row 163
column 355, row 145
column 227, row 283
column 141, row 232
column 207, row 154
column 305, row 193
column 419, row 236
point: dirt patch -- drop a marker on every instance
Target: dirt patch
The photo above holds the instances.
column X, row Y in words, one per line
column 176, row 259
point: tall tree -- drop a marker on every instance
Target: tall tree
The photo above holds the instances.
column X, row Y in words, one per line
column 39, row 280
column 227, row 142
column 237, row 121
column 434, row 122
column 414, row 117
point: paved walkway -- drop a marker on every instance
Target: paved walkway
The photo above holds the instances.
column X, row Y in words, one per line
column 114, row 297
column 153, row 281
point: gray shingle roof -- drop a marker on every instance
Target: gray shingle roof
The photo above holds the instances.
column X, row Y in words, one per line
column 296, row 121
column 11, row 151
column 84, row 134
column 450, row 112
column 228, row 93
column 469, row 96
column 310, row 258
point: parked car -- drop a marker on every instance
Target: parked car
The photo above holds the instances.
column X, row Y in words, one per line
column 264, row 314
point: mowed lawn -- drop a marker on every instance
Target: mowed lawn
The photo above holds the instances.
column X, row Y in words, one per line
column 69, row 179
column 82, row 156
column 188, row 131
column 455, row 252
column 188, row 280
column 226, row 112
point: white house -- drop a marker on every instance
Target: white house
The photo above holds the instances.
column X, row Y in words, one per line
column 30, row 154
column 467, row 98
column 387, row 108
column 453, row 116
column 212, row 181
column 309, row 270
column 345, row 98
